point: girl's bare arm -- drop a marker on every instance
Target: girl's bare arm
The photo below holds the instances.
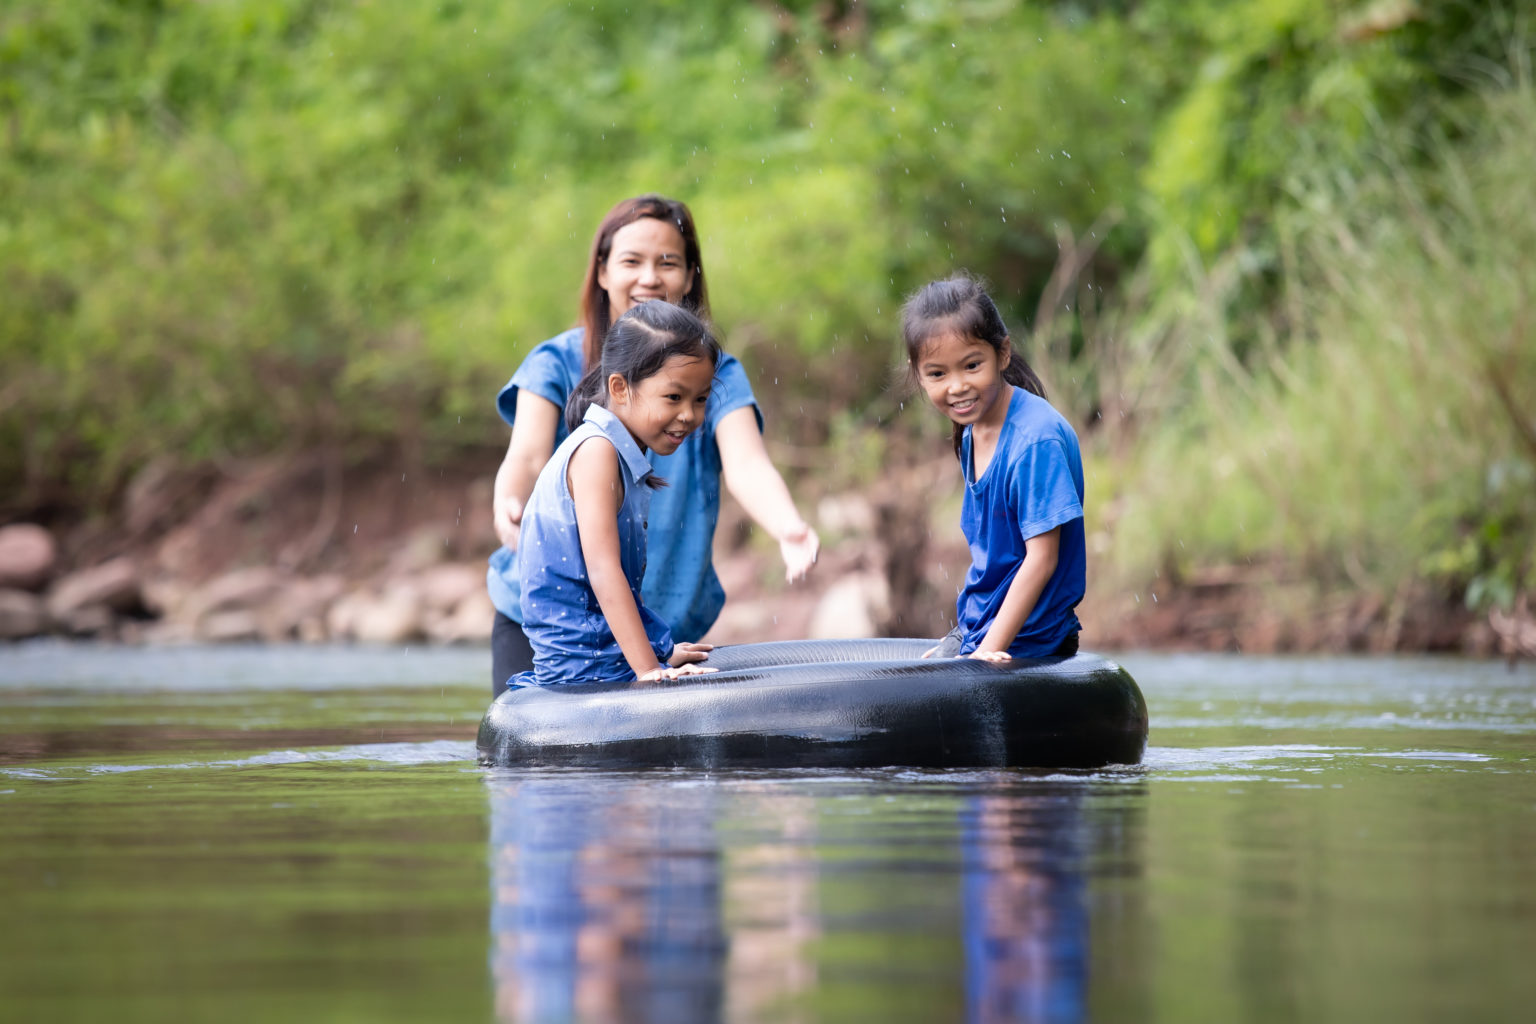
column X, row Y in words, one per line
column 598, row 491
column 1040, row 556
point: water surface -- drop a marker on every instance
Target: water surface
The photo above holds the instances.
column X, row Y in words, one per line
column 276, row 833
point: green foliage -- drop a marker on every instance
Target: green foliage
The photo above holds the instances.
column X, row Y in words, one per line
column 236, row 228
column 230, row 228
column 1389, row 436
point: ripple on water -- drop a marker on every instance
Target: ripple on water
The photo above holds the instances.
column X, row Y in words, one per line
column 1202, row 762
column 433, row 752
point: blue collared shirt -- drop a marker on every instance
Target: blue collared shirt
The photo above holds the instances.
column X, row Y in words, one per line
column 681, row 584
column 570, row 636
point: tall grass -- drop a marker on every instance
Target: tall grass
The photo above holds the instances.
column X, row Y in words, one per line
column 1382, row 433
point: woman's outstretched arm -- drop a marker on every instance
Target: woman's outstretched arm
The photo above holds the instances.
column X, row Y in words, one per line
column 753, row 481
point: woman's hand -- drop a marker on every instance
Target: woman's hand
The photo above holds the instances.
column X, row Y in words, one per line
column 799, row 546
column 981, row 655
column 687, row 654
column 661, row 672
column 507, row 514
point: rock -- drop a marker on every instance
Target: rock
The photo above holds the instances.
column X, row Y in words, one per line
column 444, row 587
column 312, row 630
column 241, row 590
column 162, row 633
column 22, row 614
column 28, row 556
column 166, row 597
column 743, row 621
column 468, row 623
column 298, row 609
column 1516, row 629
column 427, row 547
column 237, row 625
column 89, row 620
column 113, row 585
column 393, row 617
column 851, row 608
column 849, row 513
column 341, row 617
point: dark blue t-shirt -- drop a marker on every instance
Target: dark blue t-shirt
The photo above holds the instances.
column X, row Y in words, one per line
column 1033, row 484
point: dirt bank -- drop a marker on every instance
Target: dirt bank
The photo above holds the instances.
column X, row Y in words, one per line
column 304, row 549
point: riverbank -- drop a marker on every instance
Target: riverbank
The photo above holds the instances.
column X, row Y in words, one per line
column 303, row 550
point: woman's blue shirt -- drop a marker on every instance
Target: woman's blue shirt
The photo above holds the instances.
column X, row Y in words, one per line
column 681, row 585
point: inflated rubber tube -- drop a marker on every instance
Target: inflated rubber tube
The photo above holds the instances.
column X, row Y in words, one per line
column 832, row 703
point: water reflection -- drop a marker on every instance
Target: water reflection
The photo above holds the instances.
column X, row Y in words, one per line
column 662, row 897
column 1026, row 912
column 605, row 901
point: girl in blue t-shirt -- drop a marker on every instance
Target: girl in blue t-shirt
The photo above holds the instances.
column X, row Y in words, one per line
column 1022, row 514
column 583, row 545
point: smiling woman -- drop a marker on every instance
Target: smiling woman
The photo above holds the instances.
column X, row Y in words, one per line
column 645, row 249
column 647, row 261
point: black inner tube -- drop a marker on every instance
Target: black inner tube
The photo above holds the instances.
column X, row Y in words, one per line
column 832, row 703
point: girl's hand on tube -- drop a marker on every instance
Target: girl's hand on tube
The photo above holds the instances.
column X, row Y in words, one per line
column 799, row 546
column 688, row 653
column 980, row 655
column 661, row 672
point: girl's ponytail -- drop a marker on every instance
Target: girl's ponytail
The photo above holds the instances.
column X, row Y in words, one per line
column 1020, row 374
column 582, row 396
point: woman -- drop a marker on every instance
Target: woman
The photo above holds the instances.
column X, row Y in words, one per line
column 645, row 248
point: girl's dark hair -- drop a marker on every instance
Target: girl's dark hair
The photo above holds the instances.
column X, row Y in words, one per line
column 596, row 316
column 960, row 305
column 637, row 346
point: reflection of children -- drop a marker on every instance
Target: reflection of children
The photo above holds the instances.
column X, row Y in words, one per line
column 583, row 531
column 1023, row 509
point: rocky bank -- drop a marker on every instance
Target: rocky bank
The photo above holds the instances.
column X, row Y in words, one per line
column 303, row 550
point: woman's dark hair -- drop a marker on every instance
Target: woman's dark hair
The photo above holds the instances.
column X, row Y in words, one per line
column 638, row 345
column 596, row 316
column 960, row 305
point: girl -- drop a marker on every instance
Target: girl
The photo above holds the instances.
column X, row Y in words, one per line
column 583, row 532
column 1023, row 509
column 646, row 248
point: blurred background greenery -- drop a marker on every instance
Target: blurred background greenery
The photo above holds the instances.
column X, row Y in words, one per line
column 1273, row 258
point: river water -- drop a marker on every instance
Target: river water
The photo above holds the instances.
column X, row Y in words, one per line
column 263, row 834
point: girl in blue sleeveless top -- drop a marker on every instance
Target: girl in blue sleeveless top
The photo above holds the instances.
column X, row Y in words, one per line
column 1022, row 513
column 645, row 248
column 583, row 538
